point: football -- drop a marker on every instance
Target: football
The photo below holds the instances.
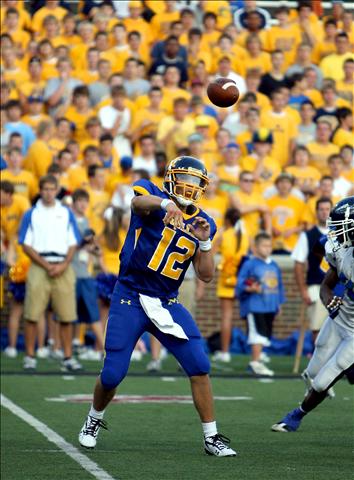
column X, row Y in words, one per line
column 223, row 92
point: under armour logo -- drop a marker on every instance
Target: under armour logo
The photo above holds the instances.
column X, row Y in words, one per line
column 129, row 302
column 171, row 301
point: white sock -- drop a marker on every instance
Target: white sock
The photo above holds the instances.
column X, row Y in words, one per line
column 94, row 413
column 209, row 429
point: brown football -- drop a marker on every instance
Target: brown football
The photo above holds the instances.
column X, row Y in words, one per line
column 223, row 92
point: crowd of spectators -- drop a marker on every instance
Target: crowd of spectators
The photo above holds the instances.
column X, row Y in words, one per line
column 98, row 94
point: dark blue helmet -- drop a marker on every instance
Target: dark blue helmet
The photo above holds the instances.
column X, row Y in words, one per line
column 186, row 179
column 341, row 222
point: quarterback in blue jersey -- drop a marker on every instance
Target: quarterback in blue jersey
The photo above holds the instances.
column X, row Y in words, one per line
column 167, row 232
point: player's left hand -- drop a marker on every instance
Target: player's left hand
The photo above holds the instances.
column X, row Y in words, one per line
column 200, row 228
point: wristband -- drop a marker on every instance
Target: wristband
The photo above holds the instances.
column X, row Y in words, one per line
column 165, row 202
column 205, row 245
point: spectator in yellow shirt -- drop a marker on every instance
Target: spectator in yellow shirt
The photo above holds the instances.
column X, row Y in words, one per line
column 136, row 22
column 213, row 202
column 285, row 36
column 330, row 102
column 282, row 126
column 255, row 58
column 322, row 147
column 93, row 131
column 174, row 130
column 108, row 155
column 327, row 45
column 35, row 113
column 99, row 198
column 286, row 215
column 79, row 111
column 61, row 136
column 39, row 155
column 211, row 33
column 325, row 189
column 250, row 204
column 78, row 52
column 306, row 177
column 68, row 36
column 244, row 139
column 345, row 87
column 51, row 30
column 35, row 85
column 137, row 49
column 13, row 28
column 51, row 7
column 64, row 161
column 229, row 171
column 12, row 72
column 332, row 65
column 264, row 167
column 146, row 120
column 234, row 246
column 89, row 74
column 23, row 181
column 78, row 177
column 343, row 135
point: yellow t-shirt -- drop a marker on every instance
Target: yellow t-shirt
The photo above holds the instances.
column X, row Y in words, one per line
column 262, row 63
column 79, row 120
column 228, row 177
column 286, row 213
column 16, row 76
column 268, row 174
column 77, row 177
column 111, row 257
column 349, row 175
column 345, row 90
column 179, row 138
column 215, row 207
column 168, row 97
column 262, row 35
column 285, row 39
column 153, row 117
column 222, row 10
column 19, row 37
column 28, row 88
column 305, row 176
column 144, row 28
column 332, row 65
column 230, row 261
column 251, row 220
column 11, row 216
column 34, row 120
column 160, row 23
column 319, row 155
column 24, row 182
column 343, row 137
column 24, row 20
column 244, row 140
column 39, row 158
column 284, row 129
column 99, row 201
column 321, row 50
column 117, row 179
column 37, row 19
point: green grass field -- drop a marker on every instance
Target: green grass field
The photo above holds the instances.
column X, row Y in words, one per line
column 152, row 441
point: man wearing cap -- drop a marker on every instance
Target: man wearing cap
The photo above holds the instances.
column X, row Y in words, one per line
column 35, row 113
column 264, row 167
column 287, row 212
column 254, row 213
column 230, row 170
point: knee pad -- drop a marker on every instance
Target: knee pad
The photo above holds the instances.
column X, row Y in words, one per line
column 110, row 378
column 115, row 368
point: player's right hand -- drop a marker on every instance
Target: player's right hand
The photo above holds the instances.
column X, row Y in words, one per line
column 174, row 216
column 333, row 305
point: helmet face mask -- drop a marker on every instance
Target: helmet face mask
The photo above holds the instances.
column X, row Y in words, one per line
column 341, row 224
column 186, row 179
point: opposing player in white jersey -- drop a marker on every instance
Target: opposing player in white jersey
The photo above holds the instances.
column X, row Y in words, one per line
column 334, row 353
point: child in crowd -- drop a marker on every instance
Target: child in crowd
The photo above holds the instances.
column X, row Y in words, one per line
column 86, row 291
column 260, row 291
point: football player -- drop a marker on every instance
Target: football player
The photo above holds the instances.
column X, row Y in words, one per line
column 167, row 232
column 334, row 353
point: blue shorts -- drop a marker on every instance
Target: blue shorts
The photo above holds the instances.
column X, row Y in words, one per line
column 126, row 323
column 86, row 300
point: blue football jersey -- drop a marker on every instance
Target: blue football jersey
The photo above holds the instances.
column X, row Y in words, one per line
column 155, row 257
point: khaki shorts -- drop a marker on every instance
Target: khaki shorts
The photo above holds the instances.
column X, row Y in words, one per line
column 316, row 312
column 42, row 289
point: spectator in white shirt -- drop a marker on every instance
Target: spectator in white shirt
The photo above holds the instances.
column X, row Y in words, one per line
column 146, row 160
column 224, row 70
column 115, row 119
column 341, row 186
column 49, row 236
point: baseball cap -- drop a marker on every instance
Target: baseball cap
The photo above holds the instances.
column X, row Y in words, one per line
column 126, row 162
column 202, row 121
column 233, row 145
column 263, row 135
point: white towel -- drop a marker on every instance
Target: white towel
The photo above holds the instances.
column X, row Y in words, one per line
column 161, row 317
